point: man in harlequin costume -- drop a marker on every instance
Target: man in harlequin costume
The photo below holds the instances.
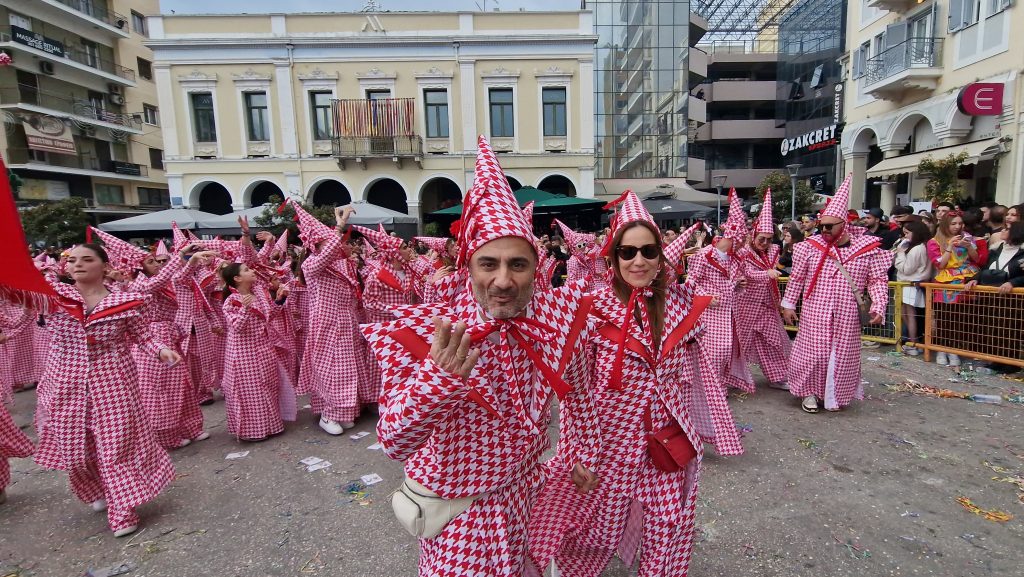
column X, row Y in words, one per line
column 764, row 339
column 468, row 386
column 825, row 363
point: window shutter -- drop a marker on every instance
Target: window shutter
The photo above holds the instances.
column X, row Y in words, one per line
column 895, row 34
column 858, row 69
column 956, row 15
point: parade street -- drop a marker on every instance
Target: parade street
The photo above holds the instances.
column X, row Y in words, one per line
column 871, row 490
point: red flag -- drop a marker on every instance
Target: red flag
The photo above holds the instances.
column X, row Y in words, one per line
column 20, row 281
column 88, row 234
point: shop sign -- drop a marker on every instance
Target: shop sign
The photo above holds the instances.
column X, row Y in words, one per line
column 981, row 99
column 815, row 140
column 37, row 41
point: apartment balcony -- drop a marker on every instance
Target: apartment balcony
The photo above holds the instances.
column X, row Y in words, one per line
column 362, row 148
column 73, row 14
column 913, row 65
column 698, row 62
column 741, row 130
column 697, row 109
column 83, row 163
column 742, row 91
column 31, row 99
column 894, row 6
column 42, row 55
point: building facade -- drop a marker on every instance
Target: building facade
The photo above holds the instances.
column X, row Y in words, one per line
column 809, row 98
column 933, row 78
column 742, row 136
column 80, row 106
column 642, row 79
column 377, row 107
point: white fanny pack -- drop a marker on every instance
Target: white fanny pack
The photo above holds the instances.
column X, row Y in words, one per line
column 422, row 512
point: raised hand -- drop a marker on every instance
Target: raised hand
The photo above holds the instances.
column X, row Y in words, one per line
column 265, row 236
column 585, row 480
column 243, row 223
column 451, row 348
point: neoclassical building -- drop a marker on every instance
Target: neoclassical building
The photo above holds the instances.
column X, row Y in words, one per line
column 377, row 107
column 925, row 79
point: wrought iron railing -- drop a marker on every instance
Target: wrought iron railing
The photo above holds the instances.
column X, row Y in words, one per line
column 89, row 59
column 913, row 53
column 25, row 94
column 94, row 9
column 85, row 161
column 380, row 146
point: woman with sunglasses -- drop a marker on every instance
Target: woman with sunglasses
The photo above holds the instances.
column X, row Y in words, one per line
column 637, row 333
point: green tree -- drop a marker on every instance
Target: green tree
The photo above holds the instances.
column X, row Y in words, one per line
column 276, row 222
column 432, row 229
column 943, row 183
column 60, row 223
column 782, row 195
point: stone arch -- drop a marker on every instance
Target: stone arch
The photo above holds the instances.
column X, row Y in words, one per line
column 902, row 129
column 513, row 182
column 258, row 192
column 328, row 192
column 211, row 196
column 439, row 192
column 861, row 139
column 388, row 193
column 557, row 183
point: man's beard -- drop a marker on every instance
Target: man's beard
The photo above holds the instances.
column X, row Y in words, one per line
column 504, row 311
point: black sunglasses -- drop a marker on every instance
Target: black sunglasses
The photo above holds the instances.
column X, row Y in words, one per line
column 648, row 251
column 828, row 225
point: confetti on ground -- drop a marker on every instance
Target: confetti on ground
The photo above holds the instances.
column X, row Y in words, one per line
column 807, row 443
column 358, row 435
column 238, row 455
column 357, row 493
column 910, row 514
column 310, row 461
column 894, row 354
column 897, row 440
column 988, row 515
column 855, row 550
column 874, row 358
column 371, row 479
column 909, row 386
column 375, row 447
column 318, row 466
column 744, row 429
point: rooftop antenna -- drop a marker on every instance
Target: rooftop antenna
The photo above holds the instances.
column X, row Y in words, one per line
column 371, row 6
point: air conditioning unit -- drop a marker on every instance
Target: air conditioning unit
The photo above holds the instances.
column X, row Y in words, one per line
column 46, row 67
column 114, row 88
column 121, row 23
column 116, row 99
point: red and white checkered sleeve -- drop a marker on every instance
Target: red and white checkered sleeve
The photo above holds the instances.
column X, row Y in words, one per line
column 411, row 408
column 797, row 277
column 237, row 315
column 578, row 411
column 138, row 333
column 148, row 285
column 878, row 279
column 329, row 251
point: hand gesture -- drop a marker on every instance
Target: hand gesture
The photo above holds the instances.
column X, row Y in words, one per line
column 243, row 223
column 451, row 350
column 585, row 480
column 789, row 315
column 971, row 284
column 247, row 300
column 1004, row 288
column 204, row 257
column 169, row 357
column 955, row 241
column 4, row 339
column 189, row 248
column 282, row 292
column 341, row 214
column 265, row 236
column 715, row 301
column 876, row 319
column 741, row 283
column 441, row 273
column 774, row 273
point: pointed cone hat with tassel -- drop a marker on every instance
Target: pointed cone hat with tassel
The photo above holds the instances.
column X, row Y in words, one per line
column 490, row 210
column 628, row 208
column 383, row 242
column 674, row 251
column 178, row 238
column 124, row 256
column 735, row 227
column 764, row 223
column 839, row 204
column 311, row 230
column 579, row 242
column 161, row 249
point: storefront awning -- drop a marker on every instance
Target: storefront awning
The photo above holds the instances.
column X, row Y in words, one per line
column 976, row 151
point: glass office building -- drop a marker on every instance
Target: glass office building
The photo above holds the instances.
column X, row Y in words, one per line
column 641, row 88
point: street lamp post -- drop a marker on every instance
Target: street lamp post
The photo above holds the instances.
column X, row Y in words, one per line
column 794, row 170
column 719, row 180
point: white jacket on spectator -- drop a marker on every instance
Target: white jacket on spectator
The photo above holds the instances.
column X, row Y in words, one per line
column 914, row 265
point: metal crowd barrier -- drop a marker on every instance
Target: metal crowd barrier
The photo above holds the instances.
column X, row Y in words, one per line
column 889, row 332
column 981, row 323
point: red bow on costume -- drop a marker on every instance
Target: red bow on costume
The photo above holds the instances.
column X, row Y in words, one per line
column 524, row 330
column 639, row 297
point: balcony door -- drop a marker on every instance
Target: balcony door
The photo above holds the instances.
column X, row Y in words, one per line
column 28, row 87
column 921, row 35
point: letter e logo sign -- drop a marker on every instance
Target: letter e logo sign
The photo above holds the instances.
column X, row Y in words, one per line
column 981, row 99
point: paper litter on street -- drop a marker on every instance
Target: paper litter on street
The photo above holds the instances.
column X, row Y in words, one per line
column 310, row 461
column 371, row 479
column 375, row 447
column 318, row 466
column 358, row 436
column 238, row 455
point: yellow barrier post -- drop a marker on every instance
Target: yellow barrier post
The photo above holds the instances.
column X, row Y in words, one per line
column 982, row 323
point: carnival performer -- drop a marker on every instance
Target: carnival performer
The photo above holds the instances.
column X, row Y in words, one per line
column 825, row 361
column 332, row 369
column 468, row 388
column 638, row 330
column 717, row 362
column 13, row 443
column 252, row 380
column 96, row 428
column 763, row 337
column 585, row 262
column 18, row 349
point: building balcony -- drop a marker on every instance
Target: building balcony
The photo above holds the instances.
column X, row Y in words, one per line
column 740, row 130
column 698, row 62
column 742, row 91
column 697, row 110
column 894, row 6
column 696, row 169
column 362, row 148
column 82, row 163
column 72, row 14
column 915, row 64
column 31, row 99
column 41, row 55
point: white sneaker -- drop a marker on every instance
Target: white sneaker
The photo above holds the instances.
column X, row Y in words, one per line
column 184, row 443
column 331, row 427
column 99, row 505
column 202, row 436
column 126, row 531
column 940, row 359
column 954, row 360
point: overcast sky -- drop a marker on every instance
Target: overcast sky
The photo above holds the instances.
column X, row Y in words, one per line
column 263, row 6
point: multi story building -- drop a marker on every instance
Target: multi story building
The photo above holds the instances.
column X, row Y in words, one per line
column 79, row 104
column 378, row 107
column 933, row 78
column 743, row 132
column 644, row 67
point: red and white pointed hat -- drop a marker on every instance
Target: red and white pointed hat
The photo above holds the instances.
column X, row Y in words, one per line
column 490, row 210
column 178, row 238
column 579, row 242
column 735, row 227
column 438, row 244
column 675, row 249
column 764, row 223
column 628, row 208
column 839, row 204
column 160, row 249
column 382, row 242
column 124, row 256
column 282, row 242
column 311, row 230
